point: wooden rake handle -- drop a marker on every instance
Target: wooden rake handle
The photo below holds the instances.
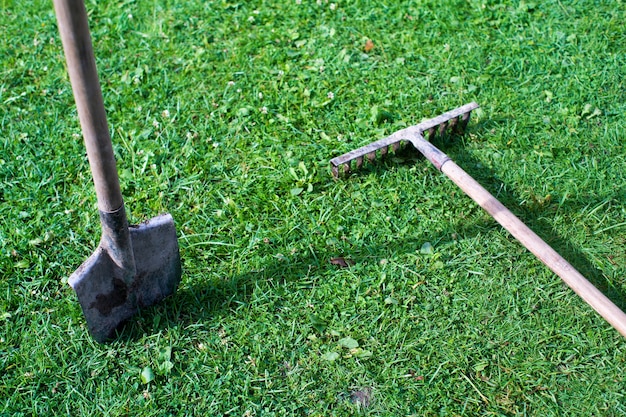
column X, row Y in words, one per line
column 574, row 279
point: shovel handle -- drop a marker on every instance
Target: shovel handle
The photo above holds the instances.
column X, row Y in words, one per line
column 81, row 65
column 531, row 241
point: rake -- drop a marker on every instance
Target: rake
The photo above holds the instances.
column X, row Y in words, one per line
column 455, row 121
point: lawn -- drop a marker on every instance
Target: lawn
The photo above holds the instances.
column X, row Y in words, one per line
column 225, row 114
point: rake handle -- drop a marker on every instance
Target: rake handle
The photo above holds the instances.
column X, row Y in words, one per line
column 574, row 279
column 81, row 65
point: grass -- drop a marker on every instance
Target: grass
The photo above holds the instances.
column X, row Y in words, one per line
column 226, row 114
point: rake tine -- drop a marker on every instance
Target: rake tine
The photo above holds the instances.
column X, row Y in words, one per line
column 442, row 128
column 346, row 168
column 465, row 120
column 453, row 125
column 456, row 119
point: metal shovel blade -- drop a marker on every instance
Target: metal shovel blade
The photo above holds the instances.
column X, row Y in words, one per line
column 107, row 299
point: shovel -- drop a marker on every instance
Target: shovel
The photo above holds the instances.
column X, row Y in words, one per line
column 133, row 267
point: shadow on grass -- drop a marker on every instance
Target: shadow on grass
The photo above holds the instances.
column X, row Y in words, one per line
column 534, row 216
column 208, row 300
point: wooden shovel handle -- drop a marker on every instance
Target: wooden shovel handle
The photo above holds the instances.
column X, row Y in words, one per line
column 81, row 65
column 574, row 279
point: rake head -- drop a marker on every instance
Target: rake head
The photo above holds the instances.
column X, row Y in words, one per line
column 453, row 122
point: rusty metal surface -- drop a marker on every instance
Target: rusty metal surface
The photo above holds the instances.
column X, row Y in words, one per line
column 454, row 120
column 106, row 294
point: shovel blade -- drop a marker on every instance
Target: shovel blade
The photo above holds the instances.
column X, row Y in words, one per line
column 104, row 294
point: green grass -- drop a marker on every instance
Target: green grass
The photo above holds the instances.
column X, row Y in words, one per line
column 226, row 114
